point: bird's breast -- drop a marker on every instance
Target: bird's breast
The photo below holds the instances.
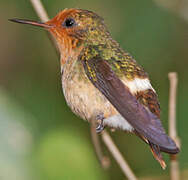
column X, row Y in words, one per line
column 83, row 98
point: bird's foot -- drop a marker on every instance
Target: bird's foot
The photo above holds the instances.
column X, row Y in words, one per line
column 100, row 126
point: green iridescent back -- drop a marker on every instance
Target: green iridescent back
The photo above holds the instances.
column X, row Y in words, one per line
column 120, row 61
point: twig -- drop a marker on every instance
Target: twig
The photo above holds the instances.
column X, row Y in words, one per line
column 174, row 164
column 39, row 8
column 104, row 160
column 42, row 14
column 118, row 156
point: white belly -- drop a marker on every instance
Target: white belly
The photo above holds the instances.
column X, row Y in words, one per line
column 118, row 122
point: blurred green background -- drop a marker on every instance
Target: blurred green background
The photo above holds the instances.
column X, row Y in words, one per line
column 40, row 138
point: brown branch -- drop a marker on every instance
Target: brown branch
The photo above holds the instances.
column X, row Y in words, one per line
column 42, row 14
column 104, row 160
column 174, row 164
column 117, row 156
column 39, row 8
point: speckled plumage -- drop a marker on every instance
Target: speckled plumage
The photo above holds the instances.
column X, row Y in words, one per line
column 121, row 62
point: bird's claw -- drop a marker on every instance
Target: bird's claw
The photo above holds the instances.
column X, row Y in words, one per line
column 100, row 126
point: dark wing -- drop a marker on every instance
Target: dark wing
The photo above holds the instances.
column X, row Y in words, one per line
column 144, row 122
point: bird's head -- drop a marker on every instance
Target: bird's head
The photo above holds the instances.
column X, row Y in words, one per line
column 74, row 28
column 78, row 24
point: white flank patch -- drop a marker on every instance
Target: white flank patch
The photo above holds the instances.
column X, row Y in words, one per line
column 138, row 84
column 117, row 121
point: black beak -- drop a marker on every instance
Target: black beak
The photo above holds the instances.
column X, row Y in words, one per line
column 34, row 23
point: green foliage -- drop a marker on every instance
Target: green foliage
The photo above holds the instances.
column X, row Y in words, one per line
column 65, row 154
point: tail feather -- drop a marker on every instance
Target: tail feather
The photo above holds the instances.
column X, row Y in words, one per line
column 156, row 150
column 157, row 154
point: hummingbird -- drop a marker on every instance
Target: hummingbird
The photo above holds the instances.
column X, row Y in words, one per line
column 102, row 82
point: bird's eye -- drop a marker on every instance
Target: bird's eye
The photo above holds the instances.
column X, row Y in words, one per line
column 69, row 23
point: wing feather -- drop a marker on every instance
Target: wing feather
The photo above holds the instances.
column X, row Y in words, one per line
column 145, row 122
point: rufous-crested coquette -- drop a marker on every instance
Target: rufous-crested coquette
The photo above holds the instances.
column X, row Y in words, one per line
column 102, row 82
